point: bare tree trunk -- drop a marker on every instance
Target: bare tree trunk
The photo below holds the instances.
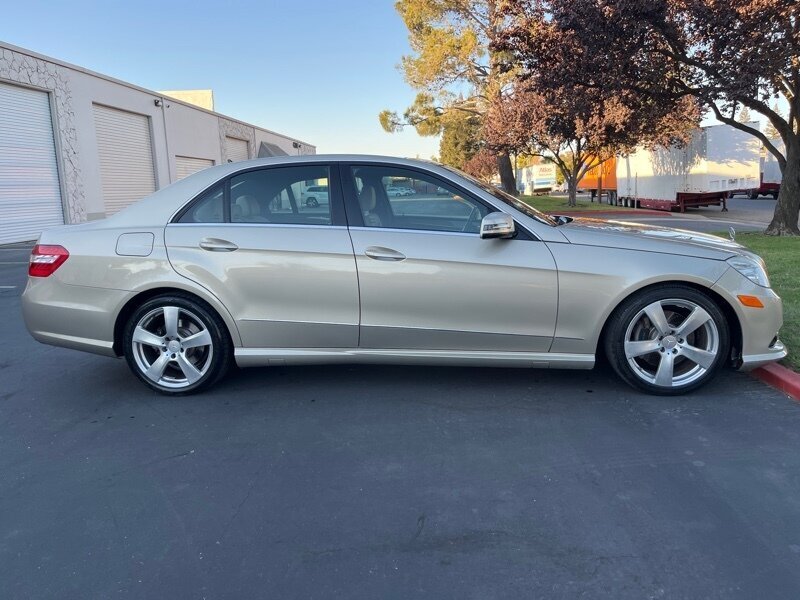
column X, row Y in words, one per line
column 572, row 190
column 787, row 211
column 507, row 176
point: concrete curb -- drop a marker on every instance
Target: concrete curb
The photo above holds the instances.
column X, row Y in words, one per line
column 780, row 378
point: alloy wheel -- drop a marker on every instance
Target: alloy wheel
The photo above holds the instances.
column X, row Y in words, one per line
column 672, row 343
column 172, row 347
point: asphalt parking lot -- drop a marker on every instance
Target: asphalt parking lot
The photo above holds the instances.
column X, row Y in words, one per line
column 743, row 214
column 387, row 482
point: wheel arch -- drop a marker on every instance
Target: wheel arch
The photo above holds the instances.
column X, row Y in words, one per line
column 722, row 303
column 143, row 296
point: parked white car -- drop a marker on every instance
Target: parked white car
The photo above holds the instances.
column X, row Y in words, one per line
column 315, row 195
column 397, row 190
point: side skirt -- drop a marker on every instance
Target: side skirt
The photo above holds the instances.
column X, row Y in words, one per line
column 259, row 357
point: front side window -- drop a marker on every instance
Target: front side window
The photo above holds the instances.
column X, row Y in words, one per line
column 287, row 195
column 397, row 198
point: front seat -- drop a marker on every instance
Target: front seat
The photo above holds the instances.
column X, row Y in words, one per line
column 368, row 200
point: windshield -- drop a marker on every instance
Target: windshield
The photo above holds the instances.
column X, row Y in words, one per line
column 506, row 198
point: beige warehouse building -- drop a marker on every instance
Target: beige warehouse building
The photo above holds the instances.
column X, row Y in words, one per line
column 77, row 145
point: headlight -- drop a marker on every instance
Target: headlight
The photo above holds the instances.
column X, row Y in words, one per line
column 751, row 268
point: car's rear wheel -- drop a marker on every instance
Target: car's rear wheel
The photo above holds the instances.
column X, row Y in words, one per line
column 176, row 344
column 312, row 203
column 668, row 340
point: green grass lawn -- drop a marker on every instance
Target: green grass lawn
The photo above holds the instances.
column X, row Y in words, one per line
column 782, row 256
column 554, row 204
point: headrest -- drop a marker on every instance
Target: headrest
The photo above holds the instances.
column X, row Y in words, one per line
column 248, row 206
column 367, row 198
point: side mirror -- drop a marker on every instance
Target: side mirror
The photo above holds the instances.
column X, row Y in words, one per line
column 497, row 225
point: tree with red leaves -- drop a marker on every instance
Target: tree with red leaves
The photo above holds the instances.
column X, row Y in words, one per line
column 725, row 54
column 577, row 129
column 483, row 165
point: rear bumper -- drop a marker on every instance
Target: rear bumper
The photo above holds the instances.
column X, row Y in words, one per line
column 72, row 316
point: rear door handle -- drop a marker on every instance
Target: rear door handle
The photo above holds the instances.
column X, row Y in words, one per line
column 379, row 253
column 217, row 245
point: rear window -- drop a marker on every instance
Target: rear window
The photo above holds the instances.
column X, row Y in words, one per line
column 208, row 208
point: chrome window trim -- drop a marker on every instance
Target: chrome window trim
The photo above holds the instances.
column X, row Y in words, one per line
column 345, row 160
column 423, row 231
column 268, row 225
column 534, row 238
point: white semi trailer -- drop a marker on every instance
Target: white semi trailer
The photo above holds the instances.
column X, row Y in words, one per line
column 535, row 179
column 719, row 159
column 771, row 175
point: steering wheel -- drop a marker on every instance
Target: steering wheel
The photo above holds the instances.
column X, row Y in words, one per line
column 472, row 213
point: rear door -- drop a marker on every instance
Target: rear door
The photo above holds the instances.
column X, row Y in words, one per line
column 284, row 270
column 427, row 279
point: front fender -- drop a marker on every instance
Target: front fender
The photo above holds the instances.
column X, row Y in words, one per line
column 593, row 281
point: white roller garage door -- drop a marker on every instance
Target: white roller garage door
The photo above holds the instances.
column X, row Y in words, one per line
column 236, row 149
column 126, row 157
column 186, row 165
column 30, row 195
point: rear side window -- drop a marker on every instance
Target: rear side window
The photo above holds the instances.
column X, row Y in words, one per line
column 292, row 195
column 208, row 208
column 286, row 195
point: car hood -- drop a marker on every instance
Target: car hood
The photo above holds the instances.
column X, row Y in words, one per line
column 649, row 238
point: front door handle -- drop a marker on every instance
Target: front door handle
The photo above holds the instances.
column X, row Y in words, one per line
column 217, row 245
column 380, row 253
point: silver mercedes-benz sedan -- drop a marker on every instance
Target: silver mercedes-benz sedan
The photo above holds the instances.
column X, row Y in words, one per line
column 230, row 265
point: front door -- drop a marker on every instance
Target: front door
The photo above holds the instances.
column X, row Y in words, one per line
column 284, row 269
column 428, row 281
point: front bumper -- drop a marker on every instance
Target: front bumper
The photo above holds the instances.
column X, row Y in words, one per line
column 752, row 361
column 760, row 326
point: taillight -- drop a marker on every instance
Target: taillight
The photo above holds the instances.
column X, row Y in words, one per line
column 46, row 259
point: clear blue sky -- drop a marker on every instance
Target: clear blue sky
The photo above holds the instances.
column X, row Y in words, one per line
column 319, row 70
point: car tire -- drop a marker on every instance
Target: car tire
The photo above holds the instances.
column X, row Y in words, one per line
column 668, row 340
column 176, row 344
column 312, row 203
column 753, row 195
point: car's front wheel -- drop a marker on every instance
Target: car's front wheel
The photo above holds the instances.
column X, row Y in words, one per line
column 668, row 340
column 176, row 344
column 312, row 203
